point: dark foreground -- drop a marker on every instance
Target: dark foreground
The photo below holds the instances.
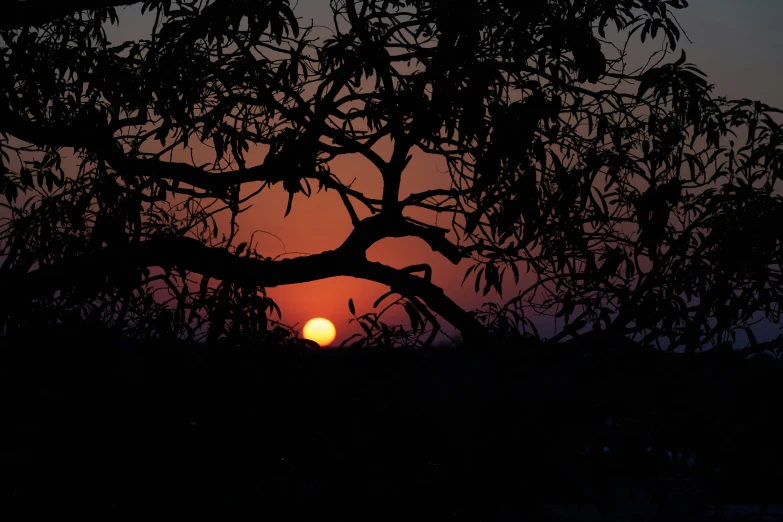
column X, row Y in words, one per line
column 95, row 427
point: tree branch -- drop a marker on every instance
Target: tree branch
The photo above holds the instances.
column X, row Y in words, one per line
column 372, row 229
column 18, row 13
column 190, row 254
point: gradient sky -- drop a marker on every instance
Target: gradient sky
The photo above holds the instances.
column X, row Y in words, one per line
column 736, row 42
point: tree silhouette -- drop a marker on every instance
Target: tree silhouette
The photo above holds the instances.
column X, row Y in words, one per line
column 640, row 202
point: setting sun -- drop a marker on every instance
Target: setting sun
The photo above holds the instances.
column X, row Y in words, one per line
column 319, row 330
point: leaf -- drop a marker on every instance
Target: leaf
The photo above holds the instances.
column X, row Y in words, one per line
column 654, row 27
column 414, row 315
column 574, row 327
column 491, row 277
column 354, row 336
column 645, row 30
column 567, row 308
column 604, row 206
column 274, row 308
column 467, row 273
column 203, row 287
column 241, row 248
column 751, row 131
column 26, row 177
column 681, row 59
column 601, row 131
column 366, row 328
column 351, row 307
column 50, row 180
column 675, row 33
column 647, row 83
column 630, row 269
column 478, row 279
column 381, row 298
column 291, row 18
column 217, row 140
column 472, row 221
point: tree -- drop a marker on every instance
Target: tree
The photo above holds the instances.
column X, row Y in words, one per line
column 623, row 191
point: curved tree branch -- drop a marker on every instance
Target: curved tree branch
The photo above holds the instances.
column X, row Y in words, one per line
column 192, row 255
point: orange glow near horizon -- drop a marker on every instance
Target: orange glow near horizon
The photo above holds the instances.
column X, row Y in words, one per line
column 319, row 330
column 320, row 222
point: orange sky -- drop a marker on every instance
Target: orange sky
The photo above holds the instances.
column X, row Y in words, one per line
column 321, row 223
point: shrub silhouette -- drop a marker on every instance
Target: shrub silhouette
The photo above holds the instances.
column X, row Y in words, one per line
column 625, row 194
column 102, row 425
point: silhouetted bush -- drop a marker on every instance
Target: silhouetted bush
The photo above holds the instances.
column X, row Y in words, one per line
column 101, row 425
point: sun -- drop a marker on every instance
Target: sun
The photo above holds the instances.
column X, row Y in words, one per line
column 319, row 330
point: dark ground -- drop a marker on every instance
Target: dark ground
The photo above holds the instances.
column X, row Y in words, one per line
column 96, row 427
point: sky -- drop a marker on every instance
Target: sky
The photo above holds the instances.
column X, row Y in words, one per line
column 735, row 42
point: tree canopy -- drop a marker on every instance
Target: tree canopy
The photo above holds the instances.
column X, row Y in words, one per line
column 640, row 201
